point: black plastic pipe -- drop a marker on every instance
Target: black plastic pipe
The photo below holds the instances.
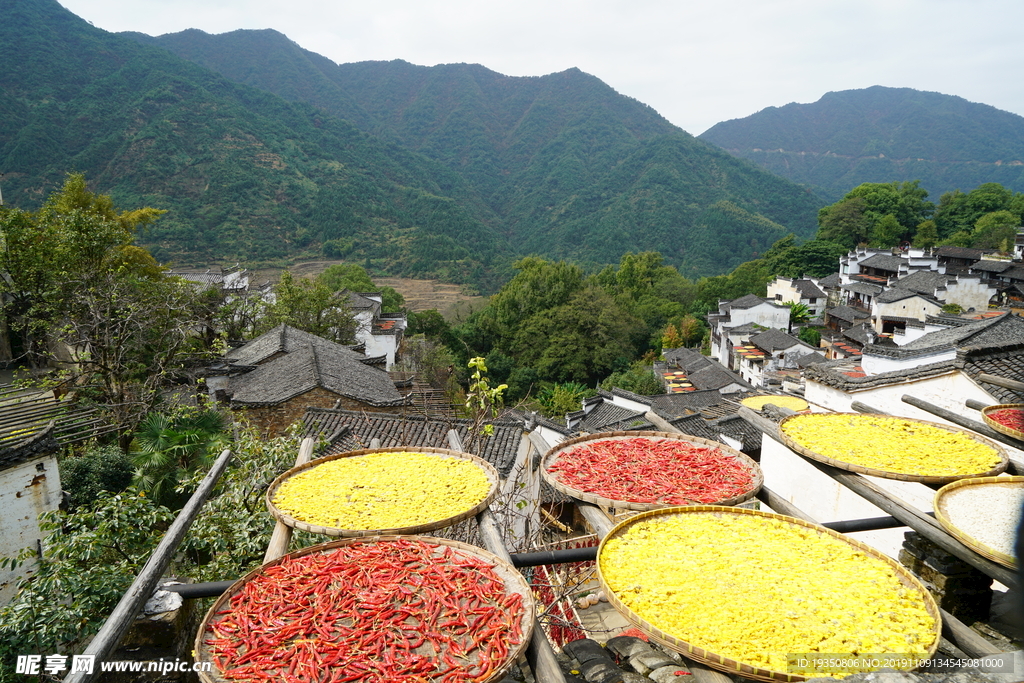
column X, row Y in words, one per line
column 212, row 589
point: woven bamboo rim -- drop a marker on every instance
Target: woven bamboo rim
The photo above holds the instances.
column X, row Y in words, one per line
column 488, row 469
column 732, row 666
column 941, row 497
column 1003, row 429
column 1004, row 460
column 552, row 455
column 514, row 583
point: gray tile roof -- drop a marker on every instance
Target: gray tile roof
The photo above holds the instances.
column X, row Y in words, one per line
column 992, row 332
column 887, row 262
column 959, row 253
column 631, row 396
column 846, row 313
column 923, row 281
column 747, row 301
column 810, row 359
column 830, row 282
column 315, row 364
column 832, row 375
column 863, row 288
column 1007, row 363
column 601, row 418
column 862, row 334
column 1015, row 273
column 746, row 328
column 773, row 340
column 895, row 294
column 671, row 406
column 283, row 339
column 991, row 266
column 350, row 430
column 807, row 289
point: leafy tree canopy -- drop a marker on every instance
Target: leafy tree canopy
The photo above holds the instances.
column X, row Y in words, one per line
column 354, row 278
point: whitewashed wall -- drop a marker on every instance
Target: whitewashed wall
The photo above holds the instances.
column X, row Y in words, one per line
column 824, row 500
column 26, row 490
column 875, row 364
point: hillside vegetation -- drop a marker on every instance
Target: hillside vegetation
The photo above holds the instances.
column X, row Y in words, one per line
column 563, row 165
column 879, row 135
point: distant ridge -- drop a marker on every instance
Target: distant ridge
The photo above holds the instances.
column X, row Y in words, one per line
column 881, row 134
column 267, row 153
column 569, row 167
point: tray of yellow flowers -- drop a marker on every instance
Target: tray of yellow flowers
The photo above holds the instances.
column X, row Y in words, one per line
column 899, row 448
column 761, row 595
column 383, row 491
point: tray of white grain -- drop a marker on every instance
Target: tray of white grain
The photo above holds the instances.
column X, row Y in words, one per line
column 983, row 514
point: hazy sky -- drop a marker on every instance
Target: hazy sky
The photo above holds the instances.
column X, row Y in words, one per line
column 697, row 63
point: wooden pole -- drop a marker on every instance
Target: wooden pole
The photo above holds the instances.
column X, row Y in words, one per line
column 909, row 515
column 282, row 536
column 1001, row 382
column 1016, row 463
column 539, row 654
column 131, row 603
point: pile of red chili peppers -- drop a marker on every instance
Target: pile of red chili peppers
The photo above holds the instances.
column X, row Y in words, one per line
column 1009, row 417
column 644, row 470
column 402, row 611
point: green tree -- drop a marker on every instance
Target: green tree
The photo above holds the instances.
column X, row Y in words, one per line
column 169, row 449
column 887, row 233
column 927, row 235
column 810, row 335
column 580, row 340
column 958, row 212
column 354, row 278
column 639, row 379
column 101, row 468
column 845, row 223
column 93, row 305
column 996, row 230
column 310, row 306
column 90, row 557
column 853, row 219
column 814, row 258
column 565, row 397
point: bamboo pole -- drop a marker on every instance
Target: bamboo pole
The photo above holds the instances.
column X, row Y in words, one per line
column 282, row 536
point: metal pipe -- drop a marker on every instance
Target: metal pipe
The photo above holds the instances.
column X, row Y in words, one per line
column 123, row 616
column 850, row 526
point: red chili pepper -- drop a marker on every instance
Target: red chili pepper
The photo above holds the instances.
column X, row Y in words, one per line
column 645, row 470
column 344, row 616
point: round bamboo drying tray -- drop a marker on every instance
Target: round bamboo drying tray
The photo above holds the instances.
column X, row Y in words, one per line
column 941, row 498
column 1003, row 429
column 726, row 664
column 513, row 580
column 551, row 457
column 794, row 445
column 412, row 528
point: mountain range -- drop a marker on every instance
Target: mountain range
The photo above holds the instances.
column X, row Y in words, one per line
column 881, row 134
column 264, row 152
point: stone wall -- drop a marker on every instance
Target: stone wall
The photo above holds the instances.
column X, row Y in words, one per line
column 274, row 420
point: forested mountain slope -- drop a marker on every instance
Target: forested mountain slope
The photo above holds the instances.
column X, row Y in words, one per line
column 569, row 167
column 881, row 134
column 243, row 173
